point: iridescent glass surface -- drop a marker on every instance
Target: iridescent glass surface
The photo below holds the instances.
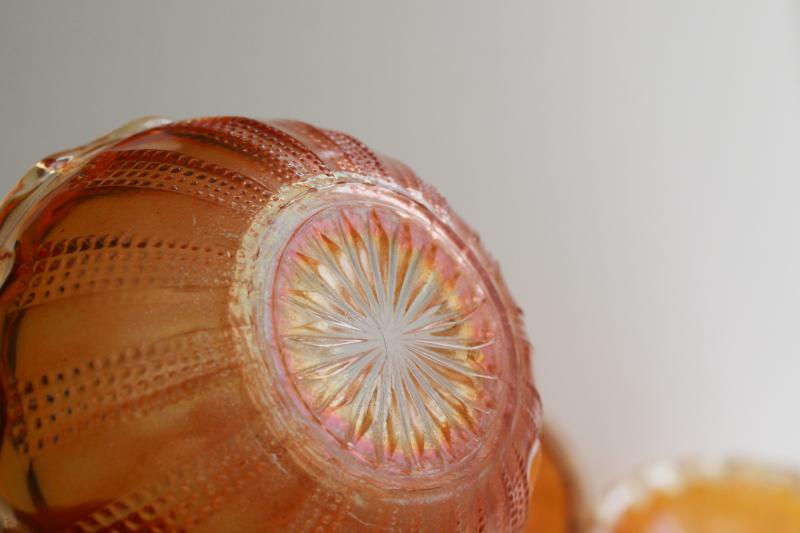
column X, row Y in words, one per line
column 231, row 324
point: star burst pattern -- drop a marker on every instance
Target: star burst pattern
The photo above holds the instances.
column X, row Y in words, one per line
column 387, row 337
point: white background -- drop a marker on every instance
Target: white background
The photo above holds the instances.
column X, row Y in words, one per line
column 633, row 165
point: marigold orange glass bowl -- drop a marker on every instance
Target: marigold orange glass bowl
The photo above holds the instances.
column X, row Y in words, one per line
column 231, row 324
column 696, row 496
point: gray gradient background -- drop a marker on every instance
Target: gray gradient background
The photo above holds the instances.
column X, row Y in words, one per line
column 634, row 166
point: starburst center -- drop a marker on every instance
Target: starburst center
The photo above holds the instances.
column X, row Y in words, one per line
column 389, row 336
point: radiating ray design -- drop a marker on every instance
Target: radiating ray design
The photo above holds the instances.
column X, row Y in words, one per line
column 383, row 341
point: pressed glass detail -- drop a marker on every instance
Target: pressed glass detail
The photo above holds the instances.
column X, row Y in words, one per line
column 385, row 334
column 226, row 324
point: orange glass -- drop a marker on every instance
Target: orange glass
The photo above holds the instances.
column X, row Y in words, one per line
column 230, row 324
column 556, row 503
column 703, row 498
